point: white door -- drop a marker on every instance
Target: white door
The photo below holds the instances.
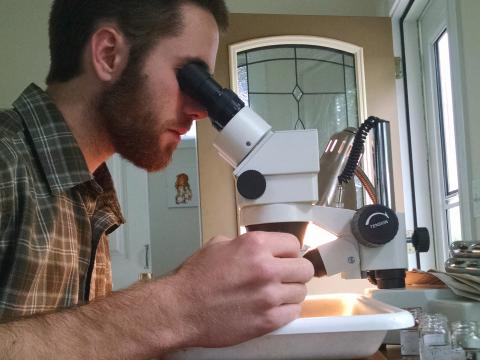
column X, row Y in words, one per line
column 130, row 244
column 440, row 128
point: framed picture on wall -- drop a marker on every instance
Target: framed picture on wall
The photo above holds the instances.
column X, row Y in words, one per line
column 182, row 187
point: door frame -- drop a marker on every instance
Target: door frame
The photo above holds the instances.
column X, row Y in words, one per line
column 410, row 98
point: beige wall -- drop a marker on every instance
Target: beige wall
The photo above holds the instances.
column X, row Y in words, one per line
column 371, row 33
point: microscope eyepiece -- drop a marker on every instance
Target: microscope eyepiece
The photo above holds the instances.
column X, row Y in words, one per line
column 222, row 104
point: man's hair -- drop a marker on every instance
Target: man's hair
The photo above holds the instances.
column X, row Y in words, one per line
column 143, row 22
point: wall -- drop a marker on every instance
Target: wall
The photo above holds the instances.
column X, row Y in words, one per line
column 23, row 45
column 372, row 33
column 469, row 36
column 308, row 7
column 174, row 231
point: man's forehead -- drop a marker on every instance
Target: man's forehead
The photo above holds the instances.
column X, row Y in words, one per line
column 201, row 33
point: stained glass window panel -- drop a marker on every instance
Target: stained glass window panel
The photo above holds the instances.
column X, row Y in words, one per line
column 264, row 77
column 280, row 111
column 317, row 77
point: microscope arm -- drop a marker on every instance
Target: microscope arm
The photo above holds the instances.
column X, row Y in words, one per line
column 364, row 240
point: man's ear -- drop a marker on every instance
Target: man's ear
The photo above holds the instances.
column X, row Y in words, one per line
column 109, row 52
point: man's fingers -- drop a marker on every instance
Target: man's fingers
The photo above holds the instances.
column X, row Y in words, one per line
column 294, row 270
column 279, row 244
column 292, row 293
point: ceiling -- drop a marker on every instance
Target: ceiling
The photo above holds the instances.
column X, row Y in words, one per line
column 313, row 7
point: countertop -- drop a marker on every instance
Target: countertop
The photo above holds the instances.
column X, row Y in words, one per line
column 391, row 352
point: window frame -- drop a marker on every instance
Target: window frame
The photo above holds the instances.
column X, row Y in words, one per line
column 411, row 106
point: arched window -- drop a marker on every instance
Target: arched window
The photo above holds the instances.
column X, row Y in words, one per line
column 301, row 82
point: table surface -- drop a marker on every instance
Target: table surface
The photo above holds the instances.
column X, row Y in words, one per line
column 391, row 352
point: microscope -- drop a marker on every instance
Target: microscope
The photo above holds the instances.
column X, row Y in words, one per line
column 278, row 175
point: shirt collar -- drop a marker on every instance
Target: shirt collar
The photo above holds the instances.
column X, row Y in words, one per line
column 59, row 154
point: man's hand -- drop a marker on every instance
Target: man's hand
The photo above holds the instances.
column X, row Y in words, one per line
column 226, row 293
column 234, row 290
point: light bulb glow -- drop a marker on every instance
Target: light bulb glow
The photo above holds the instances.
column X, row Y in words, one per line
column 316, row 236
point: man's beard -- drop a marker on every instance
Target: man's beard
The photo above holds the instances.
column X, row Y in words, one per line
column 129, row 122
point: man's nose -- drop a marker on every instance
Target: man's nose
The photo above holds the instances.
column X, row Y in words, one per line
column 194, row 109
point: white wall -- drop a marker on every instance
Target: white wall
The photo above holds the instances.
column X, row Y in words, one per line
column 469, row 37
column 175, row 231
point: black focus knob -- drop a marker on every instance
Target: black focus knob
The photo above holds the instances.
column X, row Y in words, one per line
column 421, row 239
column 251, row 184
column 374, row 225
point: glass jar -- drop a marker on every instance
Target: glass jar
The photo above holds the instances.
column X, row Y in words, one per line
column 465, row 335
column 435, row 339
column 434, row 330
column 409, row 338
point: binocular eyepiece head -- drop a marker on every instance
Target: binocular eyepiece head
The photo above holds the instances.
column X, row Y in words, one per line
column 222, row 104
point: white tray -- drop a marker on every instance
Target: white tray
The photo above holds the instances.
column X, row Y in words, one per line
column 334, row 326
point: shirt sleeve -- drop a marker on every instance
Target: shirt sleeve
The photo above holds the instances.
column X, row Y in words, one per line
column 8, row 195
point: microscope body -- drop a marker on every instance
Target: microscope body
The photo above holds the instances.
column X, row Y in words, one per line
column 284, row 159
column 277, row 183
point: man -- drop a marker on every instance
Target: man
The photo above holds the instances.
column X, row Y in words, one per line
column 112, row 88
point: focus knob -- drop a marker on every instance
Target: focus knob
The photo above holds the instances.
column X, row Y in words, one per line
column 251, row 184
column 374, row 225
column 421, row 239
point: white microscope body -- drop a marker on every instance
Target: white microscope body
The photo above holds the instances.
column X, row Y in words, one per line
column 289, row 162
column 277, row 182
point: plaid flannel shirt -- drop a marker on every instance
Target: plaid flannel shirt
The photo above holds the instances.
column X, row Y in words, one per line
column 54, row 215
